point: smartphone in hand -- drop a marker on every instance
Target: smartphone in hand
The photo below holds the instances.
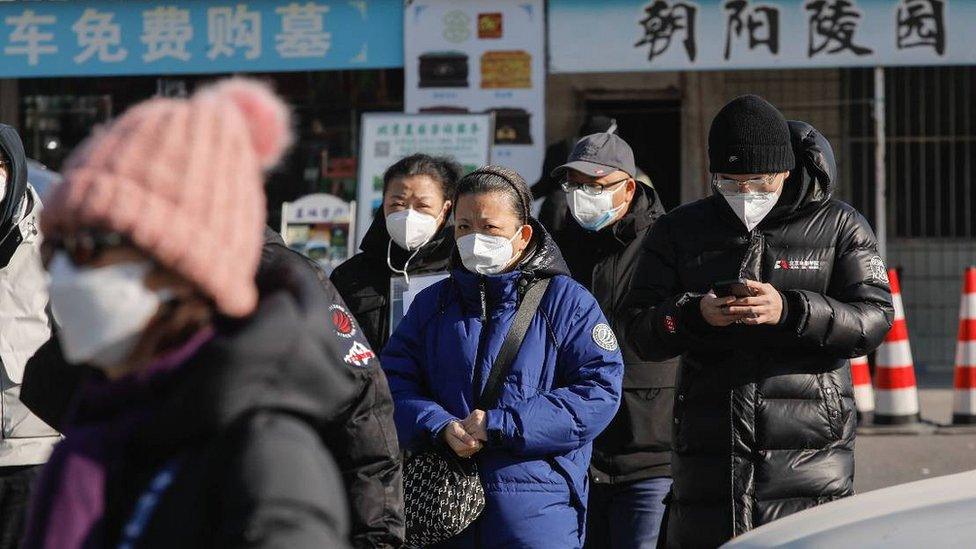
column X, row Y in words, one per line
column 735, row 288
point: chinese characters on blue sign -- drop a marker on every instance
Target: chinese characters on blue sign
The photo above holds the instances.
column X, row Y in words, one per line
column 132, row 37
column 716, row 34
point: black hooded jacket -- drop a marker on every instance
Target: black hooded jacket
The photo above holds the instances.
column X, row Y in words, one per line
column 241, row 418
column 13, row 154
column 362, row 435
column 364, row 280
column 764, row 416
column 359, row 432
column 637, row 444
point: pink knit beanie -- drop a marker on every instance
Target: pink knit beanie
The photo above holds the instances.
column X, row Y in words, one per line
column 183, row 180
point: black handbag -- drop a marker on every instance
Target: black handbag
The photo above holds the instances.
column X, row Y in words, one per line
column 442, row 493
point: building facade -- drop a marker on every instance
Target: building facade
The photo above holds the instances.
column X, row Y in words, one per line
column 931, row 158
column 662, row 68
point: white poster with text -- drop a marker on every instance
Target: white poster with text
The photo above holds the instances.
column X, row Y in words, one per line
column 482, row 56
column 385, row 138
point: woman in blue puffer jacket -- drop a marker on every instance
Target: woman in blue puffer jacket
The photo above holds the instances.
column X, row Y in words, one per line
column 533, row 448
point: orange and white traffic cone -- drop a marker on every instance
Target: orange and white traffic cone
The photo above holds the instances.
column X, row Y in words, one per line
column 964, row 399
column 894, row 370
column 863, row 390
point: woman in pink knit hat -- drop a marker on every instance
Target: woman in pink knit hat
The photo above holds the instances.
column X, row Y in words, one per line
column 201, row 430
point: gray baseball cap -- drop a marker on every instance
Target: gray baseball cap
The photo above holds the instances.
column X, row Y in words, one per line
column 599, row 154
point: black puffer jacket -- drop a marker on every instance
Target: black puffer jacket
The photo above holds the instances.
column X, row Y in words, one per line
column 240, row 417
column 364, row 280
column 362, row 435
column 359, row 432
column 637, row 444
column 764, row 415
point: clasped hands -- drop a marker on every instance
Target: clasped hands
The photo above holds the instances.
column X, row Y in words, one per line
column 468, row 436
column 765, row 306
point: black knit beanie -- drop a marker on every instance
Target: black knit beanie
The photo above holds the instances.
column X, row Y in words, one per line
column 750, row 135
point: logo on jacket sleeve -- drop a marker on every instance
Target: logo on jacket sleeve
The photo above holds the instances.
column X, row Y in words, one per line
column 604, row 337
column 670, row 325
column 797, row 265
column 877, row 269
column 342, row 322
column 359, row 355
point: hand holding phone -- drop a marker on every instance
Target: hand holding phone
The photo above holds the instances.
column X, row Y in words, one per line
column 763, row 305
column 733, row 288
column 736, row 301
column 715, row 310
column 715, row 305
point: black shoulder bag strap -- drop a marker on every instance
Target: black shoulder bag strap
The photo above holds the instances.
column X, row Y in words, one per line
column 512, row 344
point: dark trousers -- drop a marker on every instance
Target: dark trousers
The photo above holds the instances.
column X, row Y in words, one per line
column 15, row 491
column 626, row 516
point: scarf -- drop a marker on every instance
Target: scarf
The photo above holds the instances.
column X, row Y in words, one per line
column 68, row 505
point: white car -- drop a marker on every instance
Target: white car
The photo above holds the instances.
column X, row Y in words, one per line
column 932, row 513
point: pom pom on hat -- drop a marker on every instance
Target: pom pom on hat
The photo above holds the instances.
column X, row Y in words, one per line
column 267, row 117
column 183, row 180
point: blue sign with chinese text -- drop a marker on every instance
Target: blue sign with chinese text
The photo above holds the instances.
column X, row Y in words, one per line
column 642, row 35
column 112, row 37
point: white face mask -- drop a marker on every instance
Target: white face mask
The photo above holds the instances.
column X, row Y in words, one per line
column 752, row 208
column 594, row 212
column 410, row 229
column 102, row 311
column 3, row 185
column 486, row 254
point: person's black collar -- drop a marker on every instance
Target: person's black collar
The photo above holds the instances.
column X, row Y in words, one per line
column 14, row 236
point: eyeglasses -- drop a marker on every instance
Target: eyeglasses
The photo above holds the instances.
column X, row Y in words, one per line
column 592, row 190
column 751, row 185
column 84, row 247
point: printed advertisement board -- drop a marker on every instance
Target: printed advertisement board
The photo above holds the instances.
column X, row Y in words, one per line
column 388, row 137
column 482, row 56
column 322, row 227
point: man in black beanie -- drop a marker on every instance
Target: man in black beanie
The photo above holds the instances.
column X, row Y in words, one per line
column 764, row 289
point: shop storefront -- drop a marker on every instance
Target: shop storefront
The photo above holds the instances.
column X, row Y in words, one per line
column 78, row 64
column 661, row 68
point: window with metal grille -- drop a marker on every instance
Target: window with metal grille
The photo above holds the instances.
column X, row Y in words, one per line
column 931, row 149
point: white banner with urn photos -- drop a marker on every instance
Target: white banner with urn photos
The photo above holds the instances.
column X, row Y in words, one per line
column 387, row 137
column 647, row 35
column 482, row 56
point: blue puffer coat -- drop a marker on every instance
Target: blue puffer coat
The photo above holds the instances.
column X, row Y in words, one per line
column 562, row 391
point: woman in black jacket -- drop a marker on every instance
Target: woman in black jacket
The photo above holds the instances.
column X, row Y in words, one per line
column 202, row 432
column 360, row 433
column 412, row 237
column 764, row 415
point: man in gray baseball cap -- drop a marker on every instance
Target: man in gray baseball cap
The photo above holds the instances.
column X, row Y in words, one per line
column 599, row 180
column 594, row 154
column 611, row 214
